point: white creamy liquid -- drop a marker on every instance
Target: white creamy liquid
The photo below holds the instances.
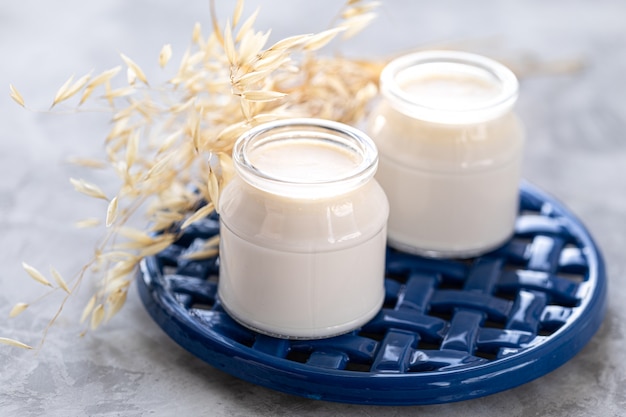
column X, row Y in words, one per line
column 452, row 185
column 303, row 160
column 302, row 295
column 448, row 86
column 309, row 266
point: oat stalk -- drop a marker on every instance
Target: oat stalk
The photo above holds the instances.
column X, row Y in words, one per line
column 170, row 144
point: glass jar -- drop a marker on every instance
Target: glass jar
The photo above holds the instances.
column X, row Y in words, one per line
column 450, row 151
column 303, row 230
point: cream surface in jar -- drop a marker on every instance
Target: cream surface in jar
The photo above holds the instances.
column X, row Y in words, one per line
column 303, row 230
column 450, row 152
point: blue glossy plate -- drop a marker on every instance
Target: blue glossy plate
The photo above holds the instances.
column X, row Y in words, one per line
column 449, row 330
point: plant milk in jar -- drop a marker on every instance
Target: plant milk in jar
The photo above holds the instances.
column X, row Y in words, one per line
column 303, row 230
column 450, row 152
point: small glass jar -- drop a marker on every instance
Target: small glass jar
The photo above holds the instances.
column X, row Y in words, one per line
column 303, row 230
column 450, row 151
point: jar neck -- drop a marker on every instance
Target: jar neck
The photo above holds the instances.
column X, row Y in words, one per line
column 449, row 87
column 305, row 158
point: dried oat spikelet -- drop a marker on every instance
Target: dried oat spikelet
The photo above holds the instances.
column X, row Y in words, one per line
column 36, row 275
column 357, row 15
column 261, row 96
column 97, row 81
column 115, row 301
column 165, row 55
column 14, row 343
column 88, row 308
column 87, row 162
column 16, row 96
column 237, row 12
column 88, row 188
column 59, row 280
column 18, row 309
column 196, row 35
column 97, row 316
column 209, row 249
column 87, row 223
column 322, row 39
column 134, row 69
column 201, row 213
column 70, row 89
column 111, row 212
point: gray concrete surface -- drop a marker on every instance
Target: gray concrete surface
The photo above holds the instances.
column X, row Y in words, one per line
column 576, row 150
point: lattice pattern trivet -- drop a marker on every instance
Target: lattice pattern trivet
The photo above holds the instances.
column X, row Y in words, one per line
column 449, row 330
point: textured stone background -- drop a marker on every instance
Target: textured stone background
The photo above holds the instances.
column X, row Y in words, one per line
column 576, row 150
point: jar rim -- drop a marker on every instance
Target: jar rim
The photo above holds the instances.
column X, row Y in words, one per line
column 343, row 137
column 465, row 113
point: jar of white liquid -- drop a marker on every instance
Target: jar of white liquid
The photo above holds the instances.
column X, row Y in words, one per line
column 303, row 230
column 450, row 152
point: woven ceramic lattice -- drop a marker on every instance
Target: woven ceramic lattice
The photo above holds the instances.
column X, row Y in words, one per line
column 449, row 329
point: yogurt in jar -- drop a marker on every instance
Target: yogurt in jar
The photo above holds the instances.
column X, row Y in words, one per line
column 303, row 230
column 450, row 152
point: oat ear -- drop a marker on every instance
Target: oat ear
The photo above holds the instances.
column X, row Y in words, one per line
column 160, row 136
column 165, row 55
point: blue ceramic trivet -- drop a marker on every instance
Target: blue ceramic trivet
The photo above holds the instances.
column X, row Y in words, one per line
column 450, row 330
